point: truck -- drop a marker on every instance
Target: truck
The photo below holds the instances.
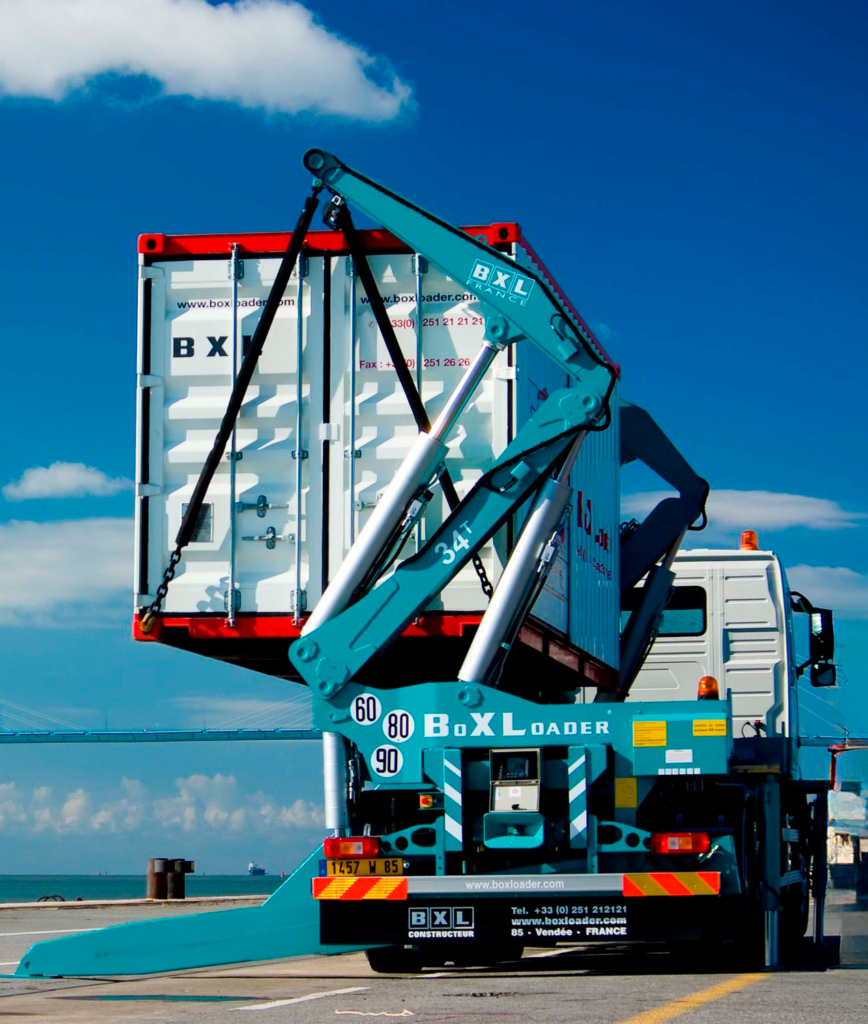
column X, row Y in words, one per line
column 534, row 774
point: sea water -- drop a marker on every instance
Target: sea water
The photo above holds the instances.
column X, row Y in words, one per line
column 30, row 888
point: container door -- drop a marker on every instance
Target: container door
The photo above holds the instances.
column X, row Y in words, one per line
column 276, row 549
column 439, row 332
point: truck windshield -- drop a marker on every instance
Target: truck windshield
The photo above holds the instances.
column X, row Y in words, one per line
column 684, row 615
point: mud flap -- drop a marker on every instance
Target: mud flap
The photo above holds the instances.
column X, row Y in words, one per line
column 286, row 925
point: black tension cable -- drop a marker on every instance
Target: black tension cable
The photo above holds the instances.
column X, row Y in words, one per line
column 242, row 382
column 343, row 221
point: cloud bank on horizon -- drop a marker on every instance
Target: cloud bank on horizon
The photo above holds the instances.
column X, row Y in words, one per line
column 213, row 804
column 267, row 54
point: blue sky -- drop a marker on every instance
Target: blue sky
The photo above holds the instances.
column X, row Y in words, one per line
column 692, row 174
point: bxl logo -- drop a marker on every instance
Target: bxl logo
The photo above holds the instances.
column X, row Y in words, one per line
column 441, row 918
column 509, row 284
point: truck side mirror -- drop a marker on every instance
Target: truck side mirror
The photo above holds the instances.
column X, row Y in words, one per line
column 822, row 636
column 822, row 642
column 823, row 674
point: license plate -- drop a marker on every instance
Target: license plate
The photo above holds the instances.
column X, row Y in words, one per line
column 382, row 866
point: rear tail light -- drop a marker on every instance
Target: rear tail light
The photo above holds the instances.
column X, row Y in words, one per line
column 680, row 842
column 337, row 848
column 708, row 689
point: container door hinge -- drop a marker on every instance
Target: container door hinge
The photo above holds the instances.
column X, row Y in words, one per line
column 301, row 454
column 235, row 266
column 506, row 373
column 329, row 431
column 151, row 273
column 298, row 601
column 302, row 267
column 420, row 264
column 352, row 453
column 148, row 380
column 148, row 490
column 236, row 603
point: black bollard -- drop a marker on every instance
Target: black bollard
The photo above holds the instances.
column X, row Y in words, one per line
column 157, row 878
column 177, row 878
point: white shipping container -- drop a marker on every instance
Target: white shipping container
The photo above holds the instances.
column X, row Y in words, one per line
column 325, row 410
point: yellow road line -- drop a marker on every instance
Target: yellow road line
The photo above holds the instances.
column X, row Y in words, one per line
column 687, row 1003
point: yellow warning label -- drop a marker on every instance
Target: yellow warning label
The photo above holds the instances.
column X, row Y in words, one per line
column 709, row 727
column 625, row 793
column 649, row 734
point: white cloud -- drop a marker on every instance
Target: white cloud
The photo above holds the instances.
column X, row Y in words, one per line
column 64, row 480
column 12, row 810
column 58, row 572
column 270, row 54
column 125, row 814
column 75, row 810
column 758, row 510
column 826, row 586
column 211, row 805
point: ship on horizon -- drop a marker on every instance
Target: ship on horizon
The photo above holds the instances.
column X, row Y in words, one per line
column 255, row 869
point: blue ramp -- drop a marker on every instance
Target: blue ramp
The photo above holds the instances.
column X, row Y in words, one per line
column 286, row 925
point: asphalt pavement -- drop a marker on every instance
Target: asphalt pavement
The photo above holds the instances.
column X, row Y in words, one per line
column 594, row 984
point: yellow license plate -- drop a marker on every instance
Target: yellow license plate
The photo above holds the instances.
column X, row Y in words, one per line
column 381, row 866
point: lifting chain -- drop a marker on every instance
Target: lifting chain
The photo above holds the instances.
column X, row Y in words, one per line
column 147, row 621
column 484, row 581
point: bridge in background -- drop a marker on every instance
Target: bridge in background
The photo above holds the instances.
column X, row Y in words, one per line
column 154, row 735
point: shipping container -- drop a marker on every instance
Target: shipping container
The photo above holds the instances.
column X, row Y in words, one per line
column 323, row 427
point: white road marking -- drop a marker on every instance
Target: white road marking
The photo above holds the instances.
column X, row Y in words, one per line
column 303, row 999
column 366, row 1013
column 9, row 963
column 51, row 931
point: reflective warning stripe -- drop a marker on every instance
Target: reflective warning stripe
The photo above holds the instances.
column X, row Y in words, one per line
column 367, row 888
column 672, row 883
column 452, row 809
column 578, row 797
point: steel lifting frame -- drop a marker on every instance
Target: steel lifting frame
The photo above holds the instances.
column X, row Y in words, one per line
column 518, row 305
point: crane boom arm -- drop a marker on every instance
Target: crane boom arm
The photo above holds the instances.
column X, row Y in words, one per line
column 516, row 293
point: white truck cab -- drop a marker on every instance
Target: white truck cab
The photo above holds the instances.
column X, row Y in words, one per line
column 731, row 617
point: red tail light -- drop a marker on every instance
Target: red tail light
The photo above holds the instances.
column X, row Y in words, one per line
column 350, row 847
column 680, row 842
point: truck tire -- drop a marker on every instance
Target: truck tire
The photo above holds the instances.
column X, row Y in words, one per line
column 395, row 960
column 795, row 904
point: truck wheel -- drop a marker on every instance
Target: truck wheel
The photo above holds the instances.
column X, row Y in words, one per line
column 395, row 960
column 795, row 904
